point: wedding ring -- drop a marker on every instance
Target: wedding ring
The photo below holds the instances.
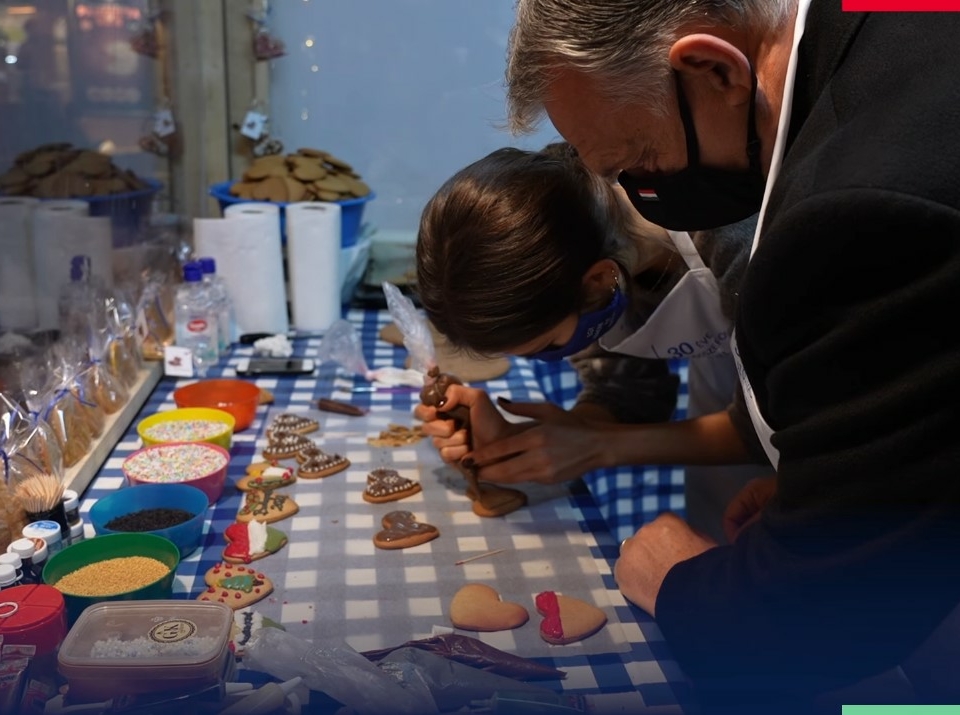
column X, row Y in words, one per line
column 623, row 542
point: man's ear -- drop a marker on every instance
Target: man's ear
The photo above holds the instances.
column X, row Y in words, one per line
column 722, row 64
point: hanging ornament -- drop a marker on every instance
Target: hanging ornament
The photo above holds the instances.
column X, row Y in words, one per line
column 266, row 46
column 145, row 40
column 160, row 131
column 256, row 128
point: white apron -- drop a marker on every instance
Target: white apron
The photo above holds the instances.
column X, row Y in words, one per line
column 688, row 322
column 763, row 430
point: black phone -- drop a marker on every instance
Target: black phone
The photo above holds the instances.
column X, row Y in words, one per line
column 275, row 366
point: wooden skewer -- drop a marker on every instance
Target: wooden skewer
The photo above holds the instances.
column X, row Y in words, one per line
column 478, row 556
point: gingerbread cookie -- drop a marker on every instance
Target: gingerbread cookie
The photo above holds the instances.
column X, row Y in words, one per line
column 266, row 397
column 247, row 622
column 236, row 586
column 494, row 501
column 289, row 422
column 401, row 530
column 258, row 468
column 322, row 465
column 478, row 607
column 266, row 505
column 269, row 478
column 385, row 485
column 567, row 619
column 396, row 436
column 309, row 452
column 284, row 445
column 251, row 540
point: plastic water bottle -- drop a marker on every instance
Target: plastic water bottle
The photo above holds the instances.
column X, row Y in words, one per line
column 196, row 319
column 221, row 300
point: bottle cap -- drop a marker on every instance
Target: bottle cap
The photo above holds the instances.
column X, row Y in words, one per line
column 24, row 548
column 71, row 500
column 47, row 530
column 192, row 273
column 11, row 559
column 207, row 264
column 8, row 575
column 40, row 555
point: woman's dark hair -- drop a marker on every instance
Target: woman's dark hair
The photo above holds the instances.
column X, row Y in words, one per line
column 504, row 244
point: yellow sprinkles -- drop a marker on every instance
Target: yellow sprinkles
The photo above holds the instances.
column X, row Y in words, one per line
column 111, row 577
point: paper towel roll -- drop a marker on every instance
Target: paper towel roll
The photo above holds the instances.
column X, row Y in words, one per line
column 18, row 301
column 61, row 230
column 313, row 263
column 246, row 246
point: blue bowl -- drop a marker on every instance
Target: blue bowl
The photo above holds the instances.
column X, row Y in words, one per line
column 186, row 536
column 351, row 211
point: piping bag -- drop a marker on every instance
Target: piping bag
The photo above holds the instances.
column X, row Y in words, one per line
column 423, row 360
column 341, row 344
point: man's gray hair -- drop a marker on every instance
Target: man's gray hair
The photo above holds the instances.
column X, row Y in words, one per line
column 621, row 43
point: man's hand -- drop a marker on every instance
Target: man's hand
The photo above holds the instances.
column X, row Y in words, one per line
column 647, row 556
column 746, row 506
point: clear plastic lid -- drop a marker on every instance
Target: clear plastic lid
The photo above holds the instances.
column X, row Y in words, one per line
column 147, row 634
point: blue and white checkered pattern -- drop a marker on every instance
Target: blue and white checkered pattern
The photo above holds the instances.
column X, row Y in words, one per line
column 625, row 497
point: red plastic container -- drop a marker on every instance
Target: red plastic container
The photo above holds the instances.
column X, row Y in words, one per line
column 33, row 615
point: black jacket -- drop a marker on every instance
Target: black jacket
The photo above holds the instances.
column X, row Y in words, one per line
column 847, row 332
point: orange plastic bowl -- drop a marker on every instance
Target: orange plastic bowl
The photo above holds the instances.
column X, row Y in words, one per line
column 237, row 397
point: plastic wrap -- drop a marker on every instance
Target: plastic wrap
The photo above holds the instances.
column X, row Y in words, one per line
column 341, row 345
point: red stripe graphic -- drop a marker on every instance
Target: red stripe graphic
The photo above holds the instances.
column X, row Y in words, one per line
column 901, row 5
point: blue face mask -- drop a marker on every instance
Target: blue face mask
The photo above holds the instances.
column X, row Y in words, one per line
column 589, row 329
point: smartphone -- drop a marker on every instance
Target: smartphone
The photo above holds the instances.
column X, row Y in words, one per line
column 275, row 366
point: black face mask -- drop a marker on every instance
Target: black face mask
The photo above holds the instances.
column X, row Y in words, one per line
column 700, row 197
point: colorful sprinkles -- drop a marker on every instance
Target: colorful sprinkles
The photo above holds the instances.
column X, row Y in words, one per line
column 185, row 430
column 174, row 463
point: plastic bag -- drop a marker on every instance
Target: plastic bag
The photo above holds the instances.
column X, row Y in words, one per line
column 413, row 326
column 341, row 345
column 337, row 670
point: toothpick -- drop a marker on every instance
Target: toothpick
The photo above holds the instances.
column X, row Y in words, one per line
column 478, row 556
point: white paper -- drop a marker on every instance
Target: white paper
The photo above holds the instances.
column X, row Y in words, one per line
column 60, row 231
column 18, row 302
column 246, row 246
column 313, row 263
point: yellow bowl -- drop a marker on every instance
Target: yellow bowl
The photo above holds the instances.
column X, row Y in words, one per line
column 222, row 438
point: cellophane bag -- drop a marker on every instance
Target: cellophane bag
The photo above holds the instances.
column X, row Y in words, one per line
column 75, row 420
column 154, row 317
column 32, row 467
column 121, row 352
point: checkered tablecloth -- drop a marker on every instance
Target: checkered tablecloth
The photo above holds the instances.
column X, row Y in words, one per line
column 636, row 660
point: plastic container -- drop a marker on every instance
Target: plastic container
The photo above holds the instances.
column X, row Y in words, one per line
column 47, row 530
column 113, row 546
column 129, row 212
column 237, row 397
column 169, row 646
column 33, row 615
column 210, row 482
column 189, row 414
column 351, row 211
column 186, row 536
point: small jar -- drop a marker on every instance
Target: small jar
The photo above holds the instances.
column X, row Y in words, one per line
column 71, row 506
column 39, row 559
column 47, row 530
column 13, row 559
column 8, row 576
column 24, row 548
column 76, row 533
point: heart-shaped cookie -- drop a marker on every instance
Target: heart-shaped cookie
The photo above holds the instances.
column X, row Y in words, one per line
column 401, row 530
column 567, row 619
column 268, row 478
column 289, row 422
column 251, row 540
column 477, row 607
column 385, row 485
column 236, row 586
column 321, row 464
column 266, row 505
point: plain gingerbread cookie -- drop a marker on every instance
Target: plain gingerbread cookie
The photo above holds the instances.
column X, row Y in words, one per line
column 478, row 607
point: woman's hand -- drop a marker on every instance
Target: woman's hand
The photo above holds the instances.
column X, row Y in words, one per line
column 486, row 423
column 555, row 447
